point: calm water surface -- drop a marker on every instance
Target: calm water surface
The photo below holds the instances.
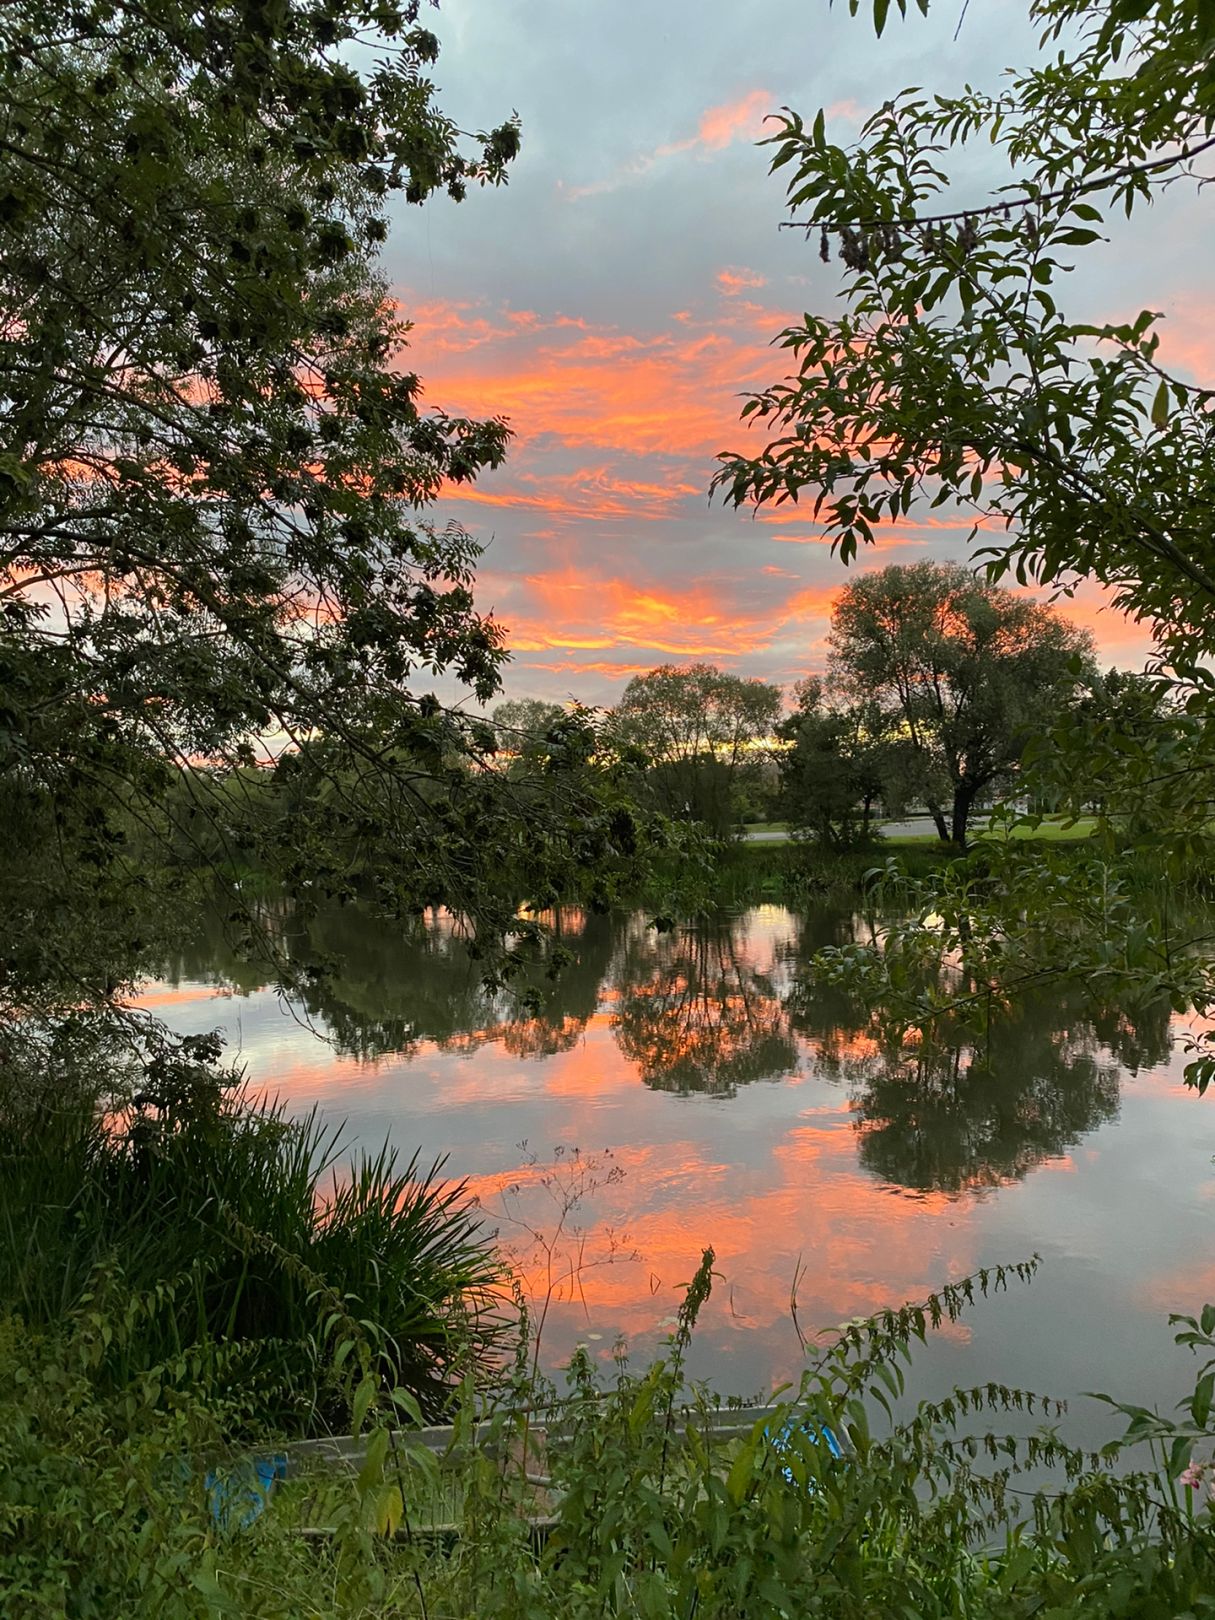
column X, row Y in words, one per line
column 700, row 1088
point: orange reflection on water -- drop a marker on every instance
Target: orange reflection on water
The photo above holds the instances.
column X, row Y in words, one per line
column 168, row 995
column 749, row 1105
column 805, row 1213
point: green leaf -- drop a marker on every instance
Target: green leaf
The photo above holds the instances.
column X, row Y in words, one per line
column 390, row 1510
column 1201, row 1400
column 363, row 1398
column 741, row 1472
column 373, row 1460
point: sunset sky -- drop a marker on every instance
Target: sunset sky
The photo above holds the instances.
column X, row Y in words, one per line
column 615, row 299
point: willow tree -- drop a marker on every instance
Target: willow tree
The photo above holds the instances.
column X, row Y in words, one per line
column 968, row 671
column 701, row 731
column 953, row 376
column 216, row 465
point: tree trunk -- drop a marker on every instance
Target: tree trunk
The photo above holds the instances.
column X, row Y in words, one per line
column 963, row 802
column 938, row 815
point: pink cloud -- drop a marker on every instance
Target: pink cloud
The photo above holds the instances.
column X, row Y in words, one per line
column 733, row 120
column 616, row 432
column 733, row 282
column 719, row 127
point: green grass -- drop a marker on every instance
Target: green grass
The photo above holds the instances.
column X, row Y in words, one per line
column 784, row 871
column 788, row 873
column 1051, row 830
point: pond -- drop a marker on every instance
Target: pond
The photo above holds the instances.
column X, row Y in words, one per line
column 701, row 1087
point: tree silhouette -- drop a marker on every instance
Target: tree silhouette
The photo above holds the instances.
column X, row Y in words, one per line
column 383, row 988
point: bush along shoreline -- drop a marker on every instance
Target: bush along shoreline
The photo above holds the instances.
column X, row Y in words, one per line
column 243, row 1240
column 184, row 1308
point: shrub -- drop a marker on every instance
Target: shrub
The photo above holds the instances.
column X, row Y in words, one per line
column 651, row 1511
column 255, row 1235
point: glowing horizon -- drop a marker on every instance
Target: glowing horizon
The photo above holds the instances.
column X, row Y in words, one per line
column 617, row 562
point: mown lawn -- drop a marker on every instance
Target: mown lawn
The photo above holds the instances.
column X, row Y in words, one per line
column 1052, row 829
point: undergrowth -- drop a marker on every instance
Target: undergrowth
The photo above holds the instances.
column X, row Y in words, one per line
column 251, row 1242
column 182, row 1296
column 794, row 874
column 619, row 1494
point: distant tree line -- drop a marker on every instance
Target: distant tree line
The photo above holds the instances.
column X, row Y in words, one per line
column 936, row 686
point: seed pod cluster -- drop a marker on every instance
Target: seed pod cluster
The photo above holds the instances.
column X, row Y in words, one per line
column 860, row 249
column 941, row 238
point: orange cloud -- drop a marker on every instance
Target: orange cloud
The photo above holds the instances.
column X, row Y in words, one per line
column 594, row 491
column 1091, row 607
column 733, row 120
column 732, row 282
column 588, row 666
column 671, row 392
column 718, row 128
column 1187, row 339
column 574, row 611
column 616, row 432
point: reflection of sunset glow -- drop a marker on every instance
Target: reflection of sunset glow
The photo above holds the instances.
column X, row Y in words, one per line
column 861, row 1251
column 165, row 995
column 745, row 1104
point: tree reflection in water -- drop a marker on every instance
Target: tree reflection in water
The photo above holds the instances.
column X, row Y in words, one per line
column 719, row 1005
column 383, row 988
column 987, row 1094
column 694, row 1013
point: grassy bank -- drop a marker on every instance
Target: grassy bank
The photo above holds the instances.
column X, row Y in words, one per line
column 788, row 873
column 1051, row 828
column 133, row 1501
column 791, row 874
